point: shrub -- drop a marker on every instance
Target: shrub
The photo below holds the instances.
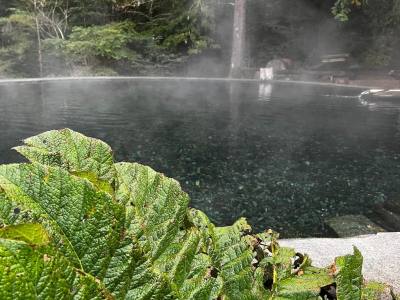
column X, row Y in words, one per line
column 109, row 41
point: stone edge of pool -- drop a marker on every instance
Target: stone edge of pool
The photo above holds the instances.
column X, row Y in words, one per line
column 381, row 254
column 104, row 78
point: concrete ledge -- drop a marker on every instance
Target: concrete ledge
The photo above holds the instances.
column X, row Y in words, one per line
column 106, row 78
column 381, row 254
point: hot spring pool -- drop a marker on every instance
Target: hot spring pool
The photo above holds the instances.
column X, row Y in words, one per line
column 286, row 157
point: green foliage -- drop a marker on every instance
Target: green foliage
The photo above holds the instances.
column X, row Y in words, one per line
column 110, row 41
column 18, row 48
column 123, row 36
column 375, row 25
column 342, row 8
column 377, row 55
column 349, row 277
column 189, row 28
column 374, row 290
column 110, row 37
column 383, row 23
column 40, row 272
column 114, row 45
column 123, row 231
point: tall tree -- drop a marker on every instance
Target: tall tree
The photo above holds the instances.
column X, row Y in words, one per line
column 238, row 42
column 39, row 39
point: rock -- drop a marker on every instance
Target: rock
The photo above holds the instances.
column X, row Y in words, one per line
column 395, row 74
column 353, row 225
column 387, row 218
column 278, row 64
column 392, row 205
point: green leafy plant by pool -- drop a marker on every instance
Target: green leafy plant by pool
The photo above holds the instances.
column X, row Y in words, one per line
column 77, row 225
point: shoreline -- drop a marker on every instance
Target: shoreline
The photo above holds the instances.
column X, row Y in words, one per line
column 372, row 87
column 206, row 79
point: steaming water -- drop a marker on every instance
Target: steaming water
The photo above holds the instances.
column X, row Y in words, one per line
column 288, row 158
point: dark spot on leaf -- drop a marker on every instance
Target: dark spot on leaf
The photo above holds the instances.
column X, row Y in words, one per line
column 298, row 261
column 328, row 292
column 268, row 283
column 259, row 254
column 213, row 272
column 268, row 277
column 113, row 185
column 17, row 210
column 246, row 232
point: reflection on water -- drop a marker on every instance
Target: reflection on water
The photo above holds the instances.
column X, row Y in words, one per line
column 265, row 92
column 286, row 157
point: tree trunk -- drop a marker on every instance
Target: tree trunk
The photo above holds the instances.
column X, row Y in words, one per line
column 39, row 40
column 238, row 40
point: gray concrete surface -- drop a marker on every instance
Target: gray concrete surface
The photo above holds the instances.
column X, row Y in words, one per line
column 381, row 254
column 116, row 78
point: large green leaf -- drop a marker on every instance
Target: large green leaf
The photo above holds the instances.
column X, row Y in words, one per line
column 87, row 226
column 306, row 286
column 40, row 272
column 83, row 220
column 232, row 256
column 156, row 203
column 156, row 209
column 78, row 154
column 349, row 276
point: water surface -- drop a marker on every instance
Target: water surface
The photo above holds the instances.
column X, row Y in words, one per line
column 286, row 157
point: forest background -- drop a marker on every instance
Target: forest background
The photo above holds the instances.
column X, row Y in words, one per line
column 188, row 37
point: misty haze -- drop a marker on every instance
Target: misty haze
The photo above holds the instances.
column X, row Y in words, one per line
column 281, row 117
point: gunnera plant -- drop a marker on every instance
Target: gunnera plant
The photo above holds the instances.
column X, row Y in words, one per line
column 74, row 224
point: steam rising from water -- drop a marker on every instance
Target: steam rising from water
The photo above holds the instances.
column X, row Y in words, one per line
column 298, row 154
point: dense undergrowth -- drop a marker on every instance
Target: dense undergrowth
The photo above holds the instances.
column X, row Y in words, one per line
column 77, row 225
